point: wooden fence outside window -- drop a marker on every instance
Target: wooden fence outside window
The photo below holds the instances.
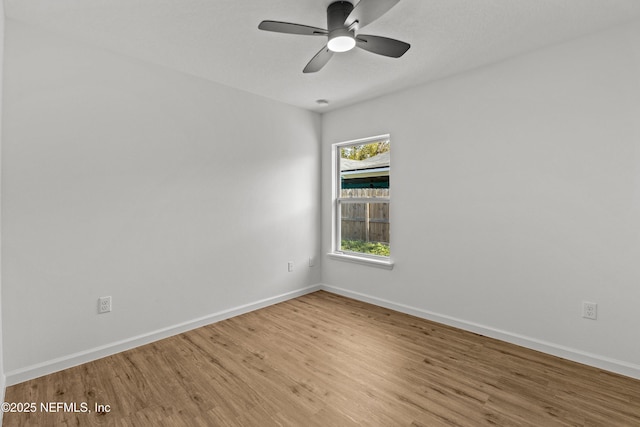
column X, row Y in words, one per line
column 368, row 222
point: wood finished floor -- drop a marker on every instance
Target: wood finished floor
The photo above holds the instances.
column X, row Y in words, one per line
column 326, row 360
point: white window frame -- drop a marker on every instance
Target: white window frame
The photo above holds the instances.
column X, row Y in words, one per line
column 336, row 235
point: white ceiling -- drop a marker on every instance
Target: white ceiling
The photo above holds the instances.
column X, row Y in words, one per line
column 219, row 40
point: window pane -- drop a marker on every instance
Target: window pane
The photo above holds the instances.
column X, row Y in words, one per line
column 365, row 167
column 364, row 228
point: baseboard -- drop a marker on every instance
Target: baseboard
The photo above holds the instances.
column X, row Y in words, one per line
column 30, row 372
column 601, row 362
column 48, row 367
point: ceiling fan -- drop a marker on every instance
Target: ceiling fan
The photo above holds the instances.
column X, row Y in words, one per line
column 343, row 23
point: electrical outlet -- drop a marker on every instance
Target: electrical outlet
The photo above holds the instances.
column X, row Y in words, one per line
column 104, row 305
column 290, row 266
column 589, row 310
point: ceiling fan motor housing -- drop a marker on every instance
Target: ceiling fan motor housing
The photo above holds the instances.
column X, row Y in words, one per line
column 337, row 14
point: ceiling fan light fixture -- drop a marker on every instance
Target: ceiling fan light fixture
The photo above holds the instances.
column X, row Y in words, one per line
column 341, row 40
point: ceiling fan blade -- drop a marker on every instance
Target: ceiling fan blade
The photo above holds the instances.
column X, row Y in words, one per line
column 289, row 28
column 367, row 11
column 318, row 61
column 382, row 45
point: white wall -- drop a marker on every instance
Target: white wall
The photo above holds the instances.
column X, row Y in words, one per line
column 177, row 197
column 515, row 196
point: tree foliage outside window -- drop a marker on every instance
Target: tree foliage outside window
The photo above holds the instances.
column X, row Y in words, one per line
column 364, row 151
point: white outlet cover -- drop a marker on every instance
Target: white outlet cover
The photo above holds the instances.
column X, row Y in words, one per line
column 104, row 304
column 590, row 310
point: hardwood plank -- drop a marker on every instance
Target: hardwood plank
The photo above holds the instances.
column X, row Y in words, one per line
column 323, row 359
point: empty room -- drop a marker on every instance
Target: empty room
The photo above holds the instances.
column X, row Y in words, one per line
column 320, row 213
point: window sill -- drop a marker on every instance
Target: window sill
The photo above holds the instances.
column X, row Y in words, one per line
column 387, row 264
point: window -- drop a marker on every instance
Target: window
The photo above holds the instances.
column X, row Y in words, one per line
column 361, row 201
